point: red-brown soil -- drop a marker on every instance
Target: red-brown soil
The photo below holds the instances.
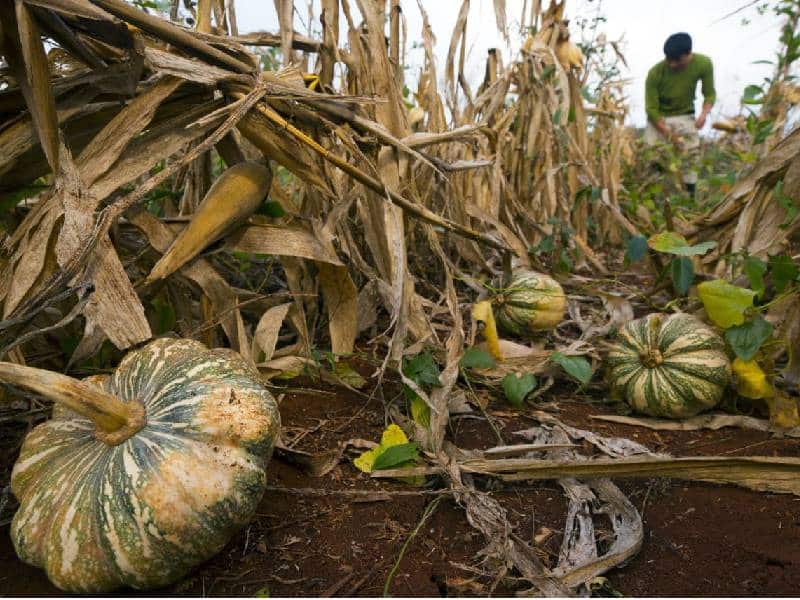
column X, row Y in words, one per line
column 700, row 539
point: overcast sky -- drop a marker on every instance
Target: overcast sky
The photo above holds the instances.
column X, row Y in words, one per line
column 643, row 25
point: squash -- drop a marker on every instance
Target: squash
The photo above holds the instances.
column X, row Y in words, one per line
column 668, row 366
column 530, row 302
column 142, row 474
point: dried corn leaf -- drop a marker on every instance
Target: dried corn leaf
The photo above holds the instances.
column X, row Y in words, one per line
column 769, row 474
column 26, row 57
column 266, row 335
column 341, row 302
column 223, row 299
column 708, row 421
column 182, row 67
column 280, row 240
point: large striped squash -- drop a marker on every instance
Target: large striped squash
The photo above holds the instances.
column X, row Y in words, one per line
column 141, row 513
column 668, row 366
column 530, row 302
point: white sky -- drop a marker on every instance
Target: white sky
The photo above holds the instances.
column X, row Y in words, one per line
column 643, row 25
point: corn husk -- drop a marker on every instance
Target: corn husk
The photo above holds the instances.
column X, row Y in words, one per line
column 233, row 198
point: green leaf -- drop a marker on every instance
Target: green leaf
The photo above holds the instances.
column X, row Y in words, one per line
column 637, row 247
column 753, row 94
column 475, row 358
column 746, row 339
column 755, row 269
column 347, row 374
column 682, row 273
column 423, row 370
column 517, row 389
column 577, row 366
column 165, row 316
column 725, row 303
column 674, row 243
column 395, row 456
column 787, row 203
column 262, row 593
column 784, row 271
column 271, row 209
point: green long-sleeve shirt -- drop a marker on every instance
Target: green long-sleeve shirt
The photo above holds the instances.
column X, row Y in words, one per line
column 669, row 93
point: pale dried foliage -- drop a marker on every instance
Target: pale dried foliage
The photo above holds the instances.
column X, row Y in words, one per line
column 394, row 215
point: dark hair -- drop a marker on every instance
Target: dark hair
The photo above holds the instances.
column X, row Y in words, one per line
column 677, row 45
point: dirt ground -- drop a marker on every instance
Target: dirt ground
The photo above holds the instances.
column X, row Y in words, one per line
column 700, row 539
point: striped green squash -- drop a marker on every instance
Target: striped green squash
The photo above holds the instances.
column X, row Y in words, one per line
column 142, row 513
column 668, row 366
column 530, row 302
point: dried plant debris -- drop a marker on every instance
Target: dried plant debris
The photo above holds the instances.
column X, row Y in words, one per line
column 294, row 199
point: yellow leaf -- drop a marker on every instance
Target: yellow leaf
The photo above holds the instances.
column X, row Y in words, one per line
column 392, row 436
column 751, row 381
column 482, row 311
column 784, row 411
column 420, row 411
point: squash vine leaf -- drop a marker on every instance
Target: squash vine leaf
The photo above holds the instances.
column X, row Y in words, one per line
column 475, row 358
column 517, row 388
column 725, row 304
column 577, row 366
column 394, row 451
column 682, row 273
column 670, row 242
column 746, row 339
column 755, row 269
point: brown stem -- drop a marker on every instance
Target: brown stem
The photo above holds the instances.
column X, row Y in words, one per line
column 651, row 358
column 115, row 420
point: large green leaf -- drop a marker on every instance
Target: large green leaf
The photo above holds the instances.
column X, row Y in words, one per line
column 674, row 243
column 746, row 339
column 725, row 304
column 517, row 388
column 577, row 366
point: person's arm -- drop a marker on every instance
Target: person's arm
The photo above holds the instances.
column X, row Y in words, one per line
column 709, row 95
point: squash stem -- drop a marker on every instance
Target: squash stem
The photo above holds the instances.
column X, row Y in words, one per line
column 114, row 419
column 651, row 358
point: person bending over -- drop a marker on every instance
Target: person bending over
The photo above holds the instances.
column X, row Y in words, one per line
column 669, row 100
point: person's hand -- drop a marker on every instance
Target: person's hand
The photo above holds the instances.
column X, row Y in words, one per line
column 675, row 139
column 700, row 122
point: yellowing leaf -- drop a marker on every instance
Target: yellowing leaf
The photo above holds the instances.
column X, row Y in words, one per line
column 420, row 411
column 392, row 436
column 751, row 381
column 784, row 411
column 482, row 311
column 725, row 303
column 675, row 243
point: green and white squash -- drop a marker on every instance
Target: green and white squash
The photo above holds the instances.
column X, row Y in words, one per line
column 531, row 302
column 166, row 461
column 668, row 366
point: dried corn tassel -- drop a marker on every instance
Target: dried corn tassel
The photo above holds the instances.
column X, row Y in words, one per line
column 233, row 198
